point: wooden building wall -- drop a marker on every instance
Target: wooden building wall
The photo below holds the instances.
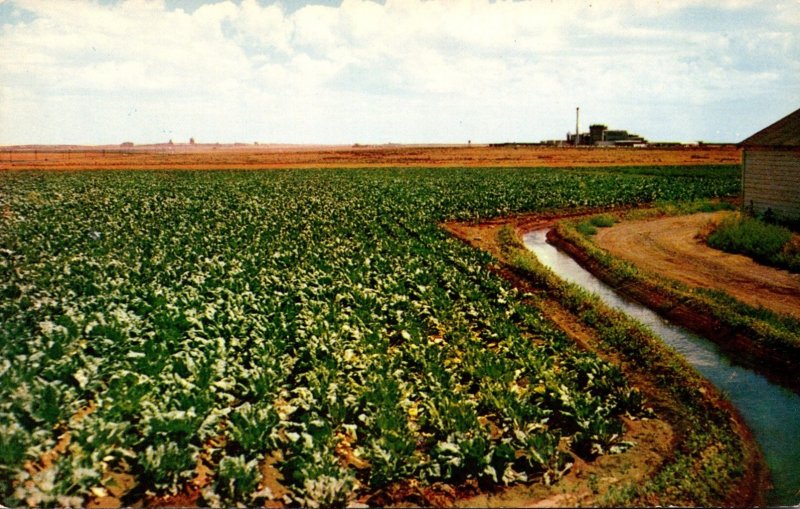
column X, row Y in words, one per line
column 771, row 180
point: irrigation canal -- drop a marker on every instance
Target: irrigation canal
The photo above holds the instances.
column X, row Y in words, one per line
column 772, row 412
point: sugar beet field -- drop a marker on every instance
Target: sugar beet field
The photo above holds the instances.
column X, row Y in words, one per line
column 227, row 330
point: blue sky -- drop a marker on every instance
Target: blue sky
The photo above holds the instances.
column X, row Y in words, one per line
column 403, row 71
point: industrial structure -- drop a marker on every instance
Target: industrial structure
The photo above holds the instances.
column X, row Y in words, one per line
column 599, row 135
column 771, row 170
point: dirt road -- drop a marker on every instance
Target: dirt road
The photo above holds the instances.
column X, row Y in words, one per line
column 670, row 247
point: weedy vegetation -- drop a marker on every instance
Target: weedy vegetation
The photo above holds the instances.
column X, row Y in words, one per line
column 764, row 242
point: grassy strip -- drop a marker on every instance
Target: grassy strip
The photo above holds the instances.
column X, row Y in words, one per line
column 710, row 460
column 590, row 226
column 767, row 243
column 772, row 333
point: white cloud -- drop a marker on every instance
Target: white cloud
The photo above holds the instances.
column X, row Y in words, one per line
column 404, row 70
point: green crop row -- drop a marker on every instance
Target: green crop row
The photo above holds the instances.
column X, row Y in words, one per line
column 318, row 320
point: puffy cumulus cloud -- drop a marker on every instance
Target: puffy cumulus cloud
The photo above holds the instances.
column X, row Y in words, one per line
column 399, row 70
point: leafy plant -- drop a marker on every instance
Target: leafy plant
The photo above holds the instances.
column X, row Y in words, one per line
column 237, row 481
column 322, row 316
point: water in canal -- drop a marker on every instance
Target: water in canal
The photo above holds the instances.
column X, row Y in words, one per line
column 771, row 411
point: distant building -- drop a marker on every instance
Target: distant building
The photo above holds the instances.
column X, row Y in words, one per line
column 584, row 139
column 597, row 133
column 771, row 169
column 553, row 143
column 600, row 135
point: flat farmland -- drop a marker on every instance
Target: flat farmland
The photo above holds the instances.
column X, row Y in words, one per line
column 211, row 156
column 308, row 337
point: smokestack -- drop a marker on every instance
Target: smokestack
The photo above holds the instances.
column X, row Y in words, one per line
column 577, row 127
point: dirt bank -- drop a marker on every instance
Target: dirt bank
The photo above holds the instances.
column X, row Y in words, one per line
column 778, row 361
column 646, row 458
column 672, row 247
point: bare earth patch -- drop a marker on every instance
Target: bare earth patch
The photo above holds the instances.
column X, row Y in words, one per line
column 673, row 247
column 240, row 156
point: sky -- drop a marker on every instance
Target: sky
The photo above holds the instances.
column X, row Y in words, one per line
column 392, row 71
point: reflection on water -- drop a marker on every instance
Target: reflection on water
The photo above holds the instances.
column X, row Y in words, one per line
column 771, row 411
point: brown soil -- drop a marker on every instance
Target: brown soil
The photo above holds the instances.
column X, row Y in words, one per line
column 48, row 459
column 374, row 156
column 673, row 247
column 586, row 482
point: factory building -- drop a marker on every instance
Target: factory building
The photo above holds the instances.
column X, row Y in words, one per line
column 600, row 135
